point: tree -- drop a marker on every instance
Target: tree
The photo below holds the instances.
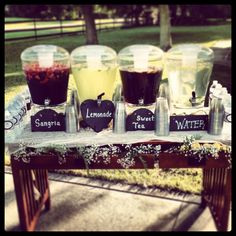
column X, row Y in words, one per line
column 165, row 36
column 137, row 10
column 91, row 33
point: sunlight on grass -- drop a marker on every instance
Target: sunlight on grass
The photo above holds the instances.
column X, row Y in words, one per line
column 180, row 180
column 13, row 74
column 11, row 92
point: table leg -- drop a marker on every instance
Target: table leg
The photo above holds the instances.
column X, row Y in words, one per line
column 21, row 198
column 48, row 200
column 217, row 195
column 204, row 190
column 26, row 182
column 41, row 181
column 227, row 201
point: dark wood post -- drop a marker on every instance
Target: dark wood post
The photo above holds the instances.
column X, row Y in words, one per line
column 113, row 23
column 61, row 27
column 35, row 29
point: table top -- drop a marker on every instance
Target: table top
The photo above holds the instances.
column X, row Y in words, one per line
column 108, row 143
column 88, row 137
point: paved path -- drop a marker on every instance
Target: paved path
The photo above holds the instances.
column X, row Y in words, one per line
column 81, row 204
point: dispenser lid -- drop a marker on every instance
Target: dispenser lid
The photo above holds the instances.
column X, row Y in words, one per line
column 93, row 55
column 200, row 52
column 135, row 51
column 44, row 52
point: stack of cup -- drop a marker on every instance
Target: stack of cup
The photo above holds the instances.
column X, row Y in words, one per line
column 119, row 120
column 162, row 114
column 216, row 116
column 72, row 113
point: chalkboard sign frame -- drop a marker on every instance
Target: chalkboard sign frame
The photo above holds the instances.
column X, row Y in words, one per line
column 188, row 123
column 140, row 119
column 47, row 120
column 91, row 107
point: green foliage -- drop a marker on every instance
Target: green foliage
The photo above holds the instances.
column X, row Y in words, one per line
column 70, row 11
column 43, row 11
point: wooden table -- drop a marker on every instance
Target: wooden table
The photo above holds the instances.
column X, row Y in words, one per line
column 31, row 172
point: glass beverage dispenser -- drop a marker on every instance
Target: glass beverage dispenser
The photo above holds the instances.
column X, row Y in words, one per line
column 189, row 68
column 141, row 71
column 94, row 68
column 46, row 68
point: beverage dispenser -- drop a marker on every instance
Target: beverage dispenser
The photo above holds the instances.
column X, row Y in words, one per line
column 189, row 68
column 46, row 68
column 141, row 71
column 94, row 69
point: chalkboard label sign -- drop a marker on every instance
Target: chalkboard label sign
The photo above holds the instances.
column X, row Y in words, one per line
column 97, row 115
column 141, row 119
column 48, row 120
column 188, row 122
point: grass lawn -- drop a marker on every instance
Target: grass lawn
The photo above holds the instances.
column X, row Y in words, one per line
column 183, row 179
column 10, row 19
column 106, row 23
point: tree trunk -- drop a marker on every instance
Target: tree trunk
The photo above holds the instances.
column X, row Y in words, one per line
column 136, row 12
column 91, row 33
column 165, row 36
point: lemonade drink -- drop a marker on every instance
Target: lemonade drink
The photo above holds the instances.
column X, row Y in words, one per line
column 91, row 82
column 94, row 68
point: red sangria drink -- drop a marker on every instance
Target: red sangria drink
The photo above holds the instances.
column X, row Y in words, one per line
column 140, row 69
column 141, row 87
column 46, row 68
column 47, row 83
